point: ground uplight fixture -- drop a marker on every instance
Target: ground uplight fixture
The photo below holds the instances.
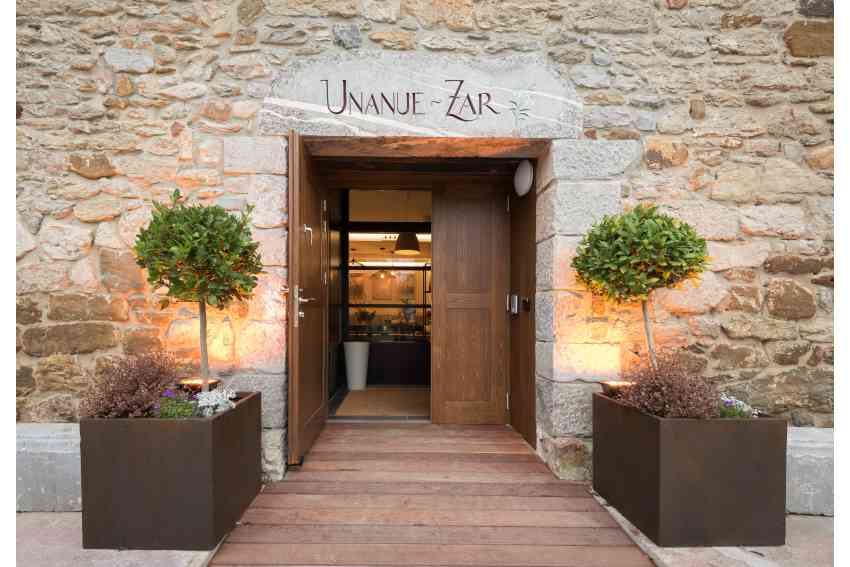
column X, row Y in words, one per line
column 523, row 177
column 407, row 244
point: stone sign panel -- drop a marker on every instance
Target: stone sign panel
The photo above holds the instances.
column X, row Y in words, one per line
column 422, row 95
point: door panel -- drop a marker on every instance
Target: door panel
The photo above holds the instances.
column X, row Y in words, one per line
column 470, row 281
column 523, row 283
column 307, row 303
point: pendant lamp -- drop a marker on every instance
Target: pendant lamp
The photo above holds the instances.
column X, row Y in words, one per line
column 407, row 244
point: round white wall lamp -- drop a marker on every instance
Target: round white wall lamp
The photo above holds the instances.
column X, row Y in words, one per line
column 523, row 178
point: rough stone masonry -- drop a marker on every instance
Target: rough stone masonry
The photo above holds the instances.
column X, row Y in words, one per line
column 729, row 103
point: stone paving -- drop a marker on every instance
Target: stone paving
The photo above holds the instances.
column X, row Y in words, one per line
column 809, row 543
column 54, row 539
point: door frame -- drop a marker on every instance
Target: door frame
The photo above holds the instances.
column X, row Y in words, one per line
column 378, row 147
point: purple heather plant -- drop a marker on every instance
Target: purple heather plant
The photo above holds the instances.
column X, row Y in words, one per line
column 130, row 387
column 670, row 390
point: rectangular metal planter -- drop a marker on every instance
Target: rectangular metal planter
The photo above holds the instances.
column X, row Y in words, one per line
column 169, row 483
column 691, row 482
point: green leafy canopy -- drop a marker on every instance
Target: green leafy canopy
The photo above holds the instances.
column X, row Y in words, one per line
column 625, row 257
column 200, row 253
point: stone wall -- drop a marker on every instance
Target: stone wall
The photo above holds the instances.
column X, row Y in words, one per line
column 720, row 111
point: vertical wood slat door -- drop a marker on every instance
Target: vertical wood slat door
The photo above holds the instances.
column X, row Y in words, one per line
column 307, row 317
column 523, row 283
column 470, row 230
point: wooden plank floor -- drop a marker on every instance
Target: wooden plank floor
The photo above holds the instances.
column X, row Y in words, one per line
column 389, row 493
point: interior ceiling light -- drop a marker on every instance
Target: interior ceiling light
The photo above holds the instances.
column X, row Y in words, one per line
column 383, row 237
column 407, row 244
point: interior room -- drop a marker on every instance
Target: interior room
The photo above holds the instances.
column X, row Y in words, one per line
column 385, row 308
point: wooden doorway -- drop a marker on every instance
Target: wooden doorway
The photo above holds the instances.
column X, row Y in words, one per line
column 477, row 358
column 307, row 303
column 469, row 352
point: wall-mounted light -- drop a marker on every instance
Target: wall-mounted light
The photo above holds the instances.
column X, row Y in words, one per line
column 523, row 177
column 407, row 244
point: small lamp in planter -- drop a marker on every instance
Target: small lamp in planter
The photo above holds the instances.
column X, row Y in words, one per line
column 669, row 452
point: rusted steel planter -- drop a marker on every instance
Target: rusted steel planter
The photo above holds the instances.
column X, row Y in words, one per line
column 169, row 483
column 690, row 482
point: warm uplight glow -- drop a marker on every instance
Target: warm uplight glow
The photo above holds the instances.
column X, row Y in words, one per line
column 195, row 384
column 614, row 387
column 617, row 383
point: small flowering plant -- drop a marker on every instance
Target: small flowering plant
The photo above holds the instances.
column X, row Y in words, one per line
column 176, row 404
column 734, row 408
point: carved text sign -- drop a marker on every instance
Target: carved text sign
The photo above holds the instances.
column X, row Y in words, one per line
column 460, row 104
column 421, row 94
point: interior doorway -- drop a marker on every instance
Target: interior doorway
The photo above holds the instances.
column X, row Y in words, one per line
column 422, row 284
column 383, row 365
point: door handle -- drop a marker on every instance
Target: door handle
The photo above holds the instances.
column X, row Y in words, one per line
column 309, row 232
column 306, row 299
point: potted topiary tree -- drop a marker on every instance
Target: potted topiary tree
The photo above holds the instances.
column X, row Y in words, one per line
column 686, row 465
column 162, row 468
column 201, row 254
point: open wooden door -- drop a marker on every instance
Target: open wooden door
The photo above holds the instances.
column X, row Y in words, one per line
column 523, row 284
column 307, row 302
column 469, row 322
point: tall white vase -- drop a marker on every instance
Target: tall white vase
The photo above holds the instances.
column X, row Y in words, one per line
column 356, row 364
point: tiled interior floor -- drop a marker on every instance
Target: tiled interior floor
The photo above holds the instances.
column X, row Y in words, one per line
column 386, row 402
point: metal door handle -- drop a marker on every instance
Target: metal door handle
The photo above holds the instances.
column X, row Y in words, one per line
column 309, row 232
column 306, row 299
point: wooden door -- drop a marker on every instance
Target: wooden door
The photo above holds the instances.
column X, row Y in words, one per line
column 307, row 304
column 469, row 323
column 523, row 284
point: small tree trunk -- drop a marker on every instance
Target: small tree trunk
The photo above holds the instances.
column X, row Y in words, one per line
column 205, row 363
column 650, row 342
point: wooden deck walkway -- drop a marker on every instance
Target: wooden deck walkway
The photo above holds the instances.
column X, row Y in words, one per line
column 420, row 494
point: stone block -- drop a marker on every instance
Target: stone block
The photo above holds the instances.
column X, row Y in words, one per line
column 570, row 458
column 553, row 267
column 255, row 154
column 274, row 454
column 746, row 255
column 273, row 388
column 140, row 340
column 82, row 307
column 571, row 208
column 565, row 409
column 68, row 338
column 119, row 271
column 128, row 60
column 48, row 467
column 810, row 39
column 564, row 361
column 24, row 240
column 811, row 468
column 261, row 345
column 553, row 312
column 748, row 326
column 786, row 299
column 694, row 296
column 268, row 195
column 62, row 241
column 589, row 159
